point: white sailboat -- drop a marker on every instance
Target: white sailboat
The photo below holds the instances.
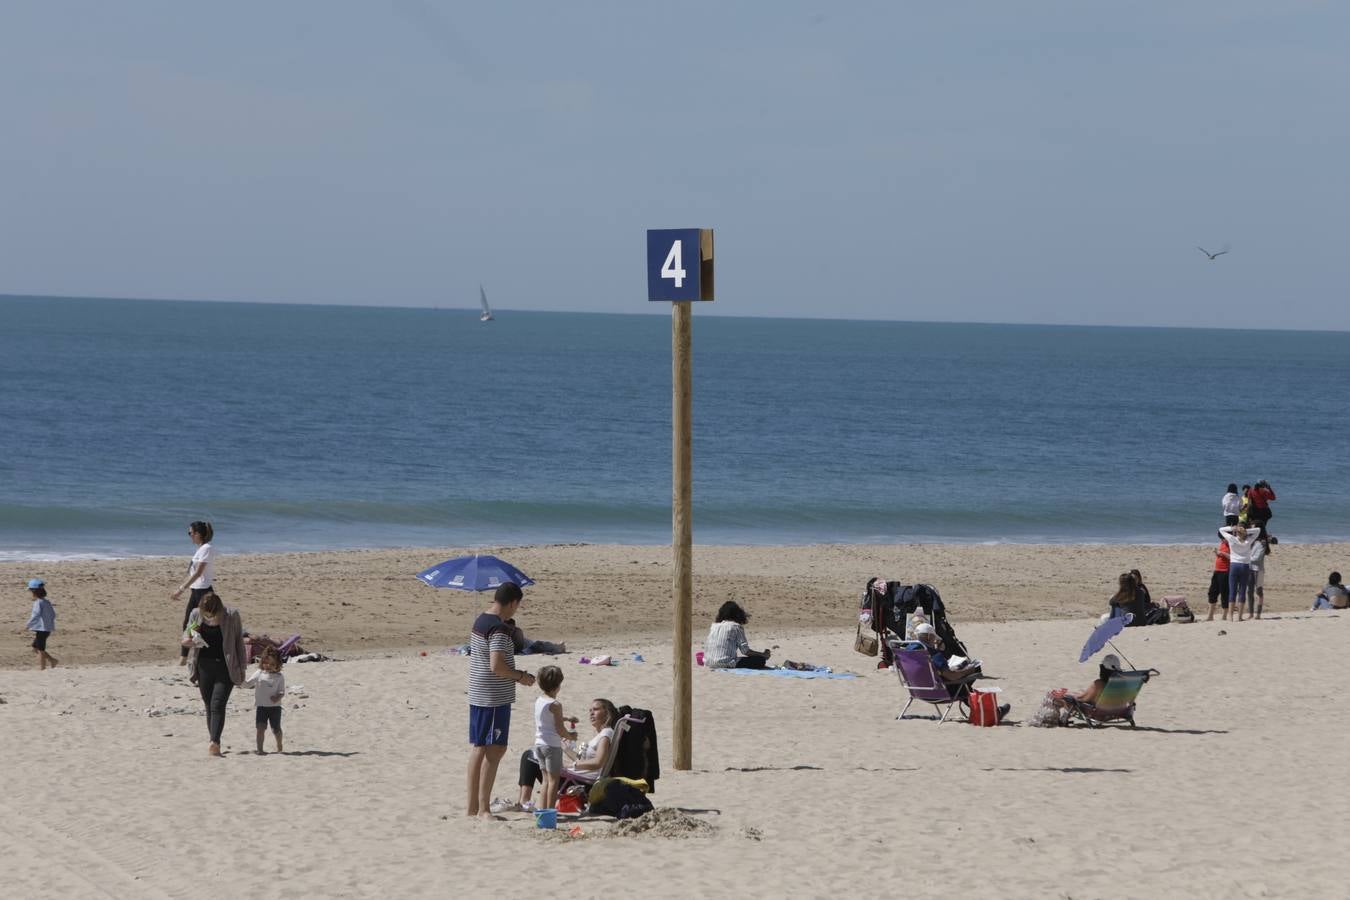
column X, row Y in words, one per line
column 486, row 315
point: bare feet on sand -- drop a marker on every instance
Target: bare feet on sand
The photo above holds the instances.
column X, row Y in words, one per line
column 213, row 750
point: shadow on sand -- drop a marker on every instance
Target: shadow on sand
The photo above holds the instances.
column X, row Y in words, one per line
column 1068, row 770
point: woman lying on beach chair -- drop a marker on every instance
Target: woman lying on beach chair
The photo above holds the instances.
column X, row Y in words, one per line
column 1109, row 698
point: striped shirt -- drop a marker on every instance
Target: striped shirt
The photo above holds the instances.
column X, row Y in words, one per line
column 490, row 634
column 725, row 639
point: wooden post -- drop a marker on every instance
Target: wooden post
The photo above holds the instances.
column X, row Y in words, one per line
column 682, row 531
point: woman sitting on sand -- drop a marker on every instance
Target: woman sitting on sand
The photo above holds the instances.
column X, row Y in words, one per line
column 588, row 757
column 726, row 647
column 1127, row 599
column 1142, row 596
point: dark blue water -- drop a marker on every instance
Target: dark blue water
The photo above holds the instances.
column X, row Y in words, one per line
column 306, row 427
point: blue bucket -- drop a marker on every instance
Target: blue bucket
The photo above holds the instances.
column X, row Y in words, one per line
column 545, row 818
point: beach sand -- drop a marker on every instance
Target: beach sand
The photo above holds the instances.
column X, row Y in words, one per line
column 1229, row 787
column 366, row 601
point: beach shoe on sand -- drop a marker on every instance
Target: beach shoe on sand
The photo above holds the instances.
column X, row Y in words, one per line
column 500, row 806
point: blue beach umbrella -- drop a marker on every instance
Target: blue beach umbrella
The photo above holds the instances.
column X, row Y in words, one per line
column 1101, row 636
column 480, row 572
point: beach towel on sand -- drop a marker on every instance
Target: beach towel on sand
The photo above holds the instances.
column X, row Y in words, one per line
column 788, row 673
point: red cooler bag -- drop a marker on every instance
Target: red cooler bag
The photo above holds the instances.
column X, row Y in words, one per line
column 983, row 708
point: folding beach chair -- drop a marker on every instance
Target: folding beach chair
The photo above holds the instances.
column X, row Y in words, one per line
column 572, row 777
column 1114, row 704
column 922, row 682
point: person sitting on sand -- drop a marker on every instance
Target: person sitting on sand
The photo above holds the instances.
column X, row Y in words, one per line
column 1142, row 597
column 524, row 646
column 1334, row 595
column 587, row 757
column 726, row 646
column 1127, row 599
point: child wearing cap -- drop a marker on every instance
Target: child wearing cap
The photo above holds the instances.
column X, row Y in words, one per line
column 42, row 622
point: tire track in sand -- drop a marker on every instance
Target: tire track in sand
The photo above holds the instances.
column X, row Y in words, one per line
column 53, row 856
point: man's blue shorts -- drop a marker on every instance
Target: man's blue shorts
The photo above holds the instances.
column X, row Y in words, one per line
column 489, row 725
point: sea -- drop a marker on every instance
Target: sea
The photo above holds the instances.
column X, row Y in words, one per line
column 305, row 427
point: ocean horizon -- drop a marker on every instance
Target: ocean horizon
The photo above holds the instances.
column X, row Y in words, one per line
column 314, row 427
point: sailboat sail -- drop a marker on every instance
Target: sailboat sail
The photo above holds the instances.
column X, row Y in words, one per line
column 487, row 310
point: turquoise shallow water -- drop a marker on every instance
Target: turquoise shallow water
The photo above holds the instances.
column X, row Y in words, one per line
column 312, row 427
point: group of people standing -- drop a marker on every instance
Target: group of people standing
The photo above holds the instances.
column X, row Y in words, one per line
column 1238, row 582
column 493, row 678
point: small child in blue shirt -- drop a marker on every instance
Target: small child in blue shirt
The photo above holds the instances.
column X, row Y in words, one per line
column 42, row 622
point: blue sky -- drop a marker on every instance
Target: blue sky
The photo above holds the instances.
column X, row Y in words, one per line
column 1041, row 162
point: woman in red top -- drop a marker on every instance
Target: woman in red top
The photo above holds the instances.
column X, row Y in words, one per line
column 1218, row 582
column 1261, row 494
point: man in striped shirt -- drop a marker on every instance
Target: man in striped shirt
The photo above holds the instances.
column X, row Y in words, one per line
column 493, row 677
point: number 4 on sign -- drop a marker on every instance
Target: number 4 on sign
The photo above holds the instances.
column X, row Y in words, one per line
column 673, row 267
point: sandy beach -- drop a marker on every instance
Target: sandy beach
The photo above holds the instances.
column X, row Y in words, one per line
column 1228, row 788
column 355, row 602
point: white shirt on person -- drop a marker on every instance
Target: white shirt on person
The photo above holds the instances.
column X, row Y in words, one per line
column 205, row 554
column 589, row 749
column 1240, row 551
column 1231, row 504
column 267, row 685
column 545, row 728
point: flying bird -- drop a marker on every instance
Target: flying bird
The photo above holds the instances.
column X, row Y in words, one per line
column 1213, row 256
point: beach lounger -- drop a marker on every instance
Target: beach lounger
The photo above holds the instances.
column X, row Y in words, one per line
column 922, row 682
column 572, row 777
column 1116, row 702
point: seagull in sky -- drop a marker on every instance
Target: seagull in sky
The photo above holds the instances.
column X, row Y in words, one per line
column 1212, row 256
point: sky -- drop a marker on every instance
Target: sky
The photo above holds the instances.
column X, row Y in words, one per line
column 1054, row 162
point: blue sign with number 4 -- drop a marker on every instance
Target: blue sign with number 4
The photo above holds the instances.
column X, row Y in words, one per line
column 679, row 264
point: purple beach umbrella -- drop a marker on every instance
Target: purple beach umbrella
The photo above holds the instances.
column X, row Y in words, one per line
column 1101, row 636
